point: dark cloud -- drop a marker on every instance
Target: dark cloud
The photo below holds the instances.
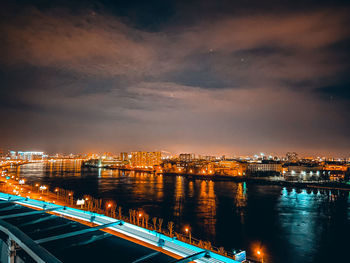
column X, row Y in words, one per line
column 339, row 91
column 208, row 76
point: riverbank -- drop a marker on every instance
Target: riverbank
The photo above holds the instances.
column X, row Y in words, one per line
column 268, row 181
column 84, row 165
column 248, row 179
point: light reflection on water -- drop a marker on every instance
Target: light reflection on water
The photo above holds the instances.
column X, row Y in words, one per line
column 291, row 225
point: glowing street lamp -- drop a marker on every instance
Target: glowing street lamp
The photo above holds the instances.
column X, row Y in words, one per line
column 57, row 190
column 42, row 188
column 70, row 198
column 188, row 231
column 260, row 254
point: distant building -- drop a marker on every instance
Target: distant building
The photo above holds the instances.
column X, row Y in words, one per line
column 336, row 170
column 264, row 167
column 145, row 159
column 27, row 156
column 335, row 167
column 124, row 156
column 292, row 157
column 231, row 168
column 186, row 157
column 13, row 155
column 294, row 170
column 207, row 157
column 304, row 172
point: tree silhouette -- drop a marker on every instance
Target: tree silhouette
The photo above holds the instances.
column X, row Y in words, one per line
column 170, row 228
column 160, row 225
column 154, row 220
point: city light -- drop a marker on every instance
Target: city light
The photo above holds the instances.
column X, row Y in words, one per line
column 209, row 166
column 148, row 122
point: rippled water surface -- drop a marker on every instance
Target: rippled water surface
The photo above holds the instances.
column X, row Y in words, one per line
column 290, row 225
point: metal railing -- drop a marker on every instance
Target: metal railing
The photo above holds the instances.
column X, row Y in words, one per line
column 17, row 238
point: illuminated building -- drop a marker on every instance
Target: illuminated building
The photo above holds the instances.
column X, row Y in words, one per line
column 145, row 159
column 303, row 172
column 123, row 156
column 335, row 167
column 292, row 157
column 298, row 169
column 207, row 157
column 336, row 171
column 231, row 168
column 28, row 156
column 264, row 167
column 186, row 157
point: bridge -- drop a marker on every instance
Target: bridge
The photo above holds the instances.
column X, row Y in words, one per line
column 18, row 212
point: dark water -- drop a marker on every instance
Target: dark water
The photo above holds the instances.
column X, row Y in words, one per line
column 289, row 225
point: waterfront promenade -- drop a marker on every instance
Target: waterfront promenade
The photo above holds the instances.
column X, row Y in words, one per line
column 149, row 238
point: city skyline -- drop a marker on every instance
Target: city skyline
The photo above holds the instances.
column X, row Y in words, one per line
column 211, row 77
column 9, row 153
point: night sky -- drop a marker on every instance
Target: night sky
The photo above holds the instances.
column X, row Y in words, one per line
column 212, row 77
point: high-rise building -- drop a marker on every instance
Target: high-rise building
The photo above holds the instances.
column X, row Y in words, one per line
column 145, row 159
column 123, row 156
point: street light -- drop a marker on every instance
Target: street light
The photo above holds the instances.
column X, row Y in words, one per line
column 187, row 230
column 42, row 188
column 57, row 190
column 260, row 254
column 71, row 200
